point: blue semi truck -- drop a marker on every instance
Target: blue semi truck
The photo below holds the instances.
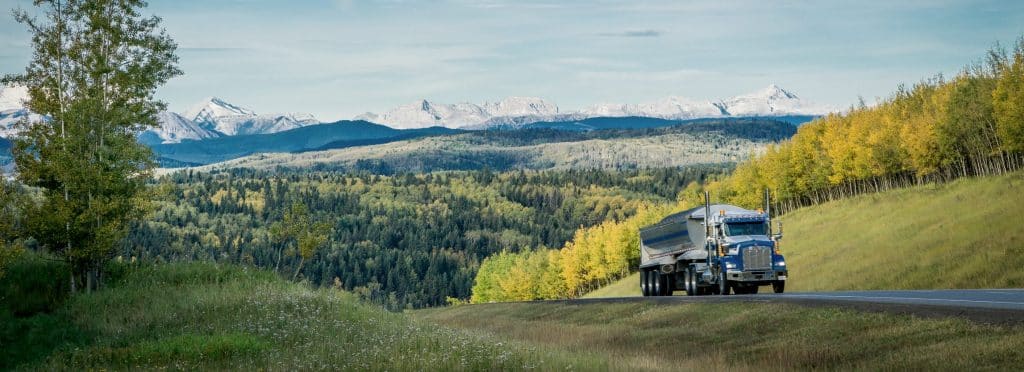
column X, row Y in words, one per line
column 712, row 249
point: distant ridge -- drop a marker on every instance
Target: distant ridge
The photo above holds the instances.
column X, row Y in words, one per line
column 515, row 112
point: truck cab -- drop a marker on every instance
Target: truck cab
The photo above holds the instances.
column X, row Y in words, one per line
column 748, row 252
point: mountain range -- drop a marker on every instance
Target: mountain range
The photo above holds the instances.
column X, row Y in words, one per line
column 210, row 118
column 215, row 130
column 516, row 112
column 215, row 118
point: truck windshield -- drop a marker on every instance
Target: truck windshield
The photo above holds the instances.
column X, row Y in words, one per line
column 746, row 228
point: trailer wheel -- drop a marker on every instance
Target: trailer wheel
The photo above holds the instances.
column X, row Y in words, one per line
column 667, row 280
column 691, row 289
column 779, row 286
column 655, row 283
column 643, row 283
column 753, row 290
column 723, row 284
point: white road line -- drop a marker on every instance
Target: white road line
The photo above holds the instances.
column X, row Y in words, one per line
column 907, row 298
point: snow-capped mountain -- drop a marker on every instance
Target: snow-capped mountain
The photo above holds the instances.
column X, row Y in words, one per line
column 423, row 114
column 673, row 107
column 772, row 101
column 174, row 128
column 518, row 111
column 211, row 118
column 214, row 114
column 12, row 108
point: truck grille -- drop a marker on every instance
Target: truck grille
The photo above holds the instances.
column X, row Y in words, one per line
column 757, row 258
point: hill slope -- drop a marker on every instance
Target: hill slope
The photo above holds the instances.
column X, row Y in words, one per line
column 965, row 234
column 697, row 142
column 209, row 317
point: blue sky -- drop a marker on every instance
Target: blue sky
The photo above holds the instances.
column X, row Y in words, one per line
column 339, row 58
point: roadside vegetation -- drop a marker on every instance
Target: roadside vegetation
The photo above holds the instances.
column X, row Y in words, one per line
column 209, row 316
column 742, row 336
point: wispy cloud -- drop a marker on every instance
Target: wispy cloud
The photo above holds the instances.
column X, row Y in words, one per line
column 633, row 33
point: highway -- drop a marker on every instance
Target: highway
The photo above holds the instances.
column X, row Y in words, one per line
column 1004, row 306
column 1007, row 299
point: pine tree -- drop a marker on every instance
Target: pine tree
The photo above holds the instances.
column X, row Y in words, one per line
column 95, row 67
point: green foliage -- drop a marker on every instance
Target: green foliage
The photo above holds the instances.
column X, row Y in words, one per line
column 1008, row 100
column 297, row 226
column 11, row 201
column 226, row 317
column 35, row 283
column 95, row 68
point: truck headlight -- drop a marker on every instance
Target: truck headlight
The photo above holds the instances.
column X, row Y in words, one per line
column 730, row 265
column 780, row 263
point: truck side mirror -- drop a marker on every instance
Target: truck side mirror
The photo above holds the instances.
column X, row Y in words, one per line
column 779, row 235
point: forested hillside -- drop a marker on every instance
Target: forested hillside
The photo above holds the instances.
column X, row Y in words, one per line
column 403, row 240
column 937, row 130
column 697, row 142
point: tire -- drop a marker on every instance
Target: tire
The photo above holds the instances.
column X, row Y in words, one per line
column 778, row 286
column 723, row 284
column 667, row 284
column 644, row 287
column 691, row 283
column 753, row 290
column 656, row 287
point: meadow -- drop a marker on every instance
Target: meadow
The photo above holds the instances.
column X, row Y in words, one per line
column 225, row 317
column 646, row 335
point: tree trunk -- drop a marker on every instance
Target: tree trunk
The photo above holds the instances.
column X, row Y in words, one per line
column 297, row 270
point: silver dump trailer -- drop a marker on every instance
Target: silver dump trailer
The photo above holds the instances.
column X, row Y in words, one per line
column 711, row 249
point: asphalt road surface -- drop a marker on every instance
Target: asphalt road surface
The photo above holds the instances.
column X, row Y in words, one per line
column 1004, row 306
column 1010, row 299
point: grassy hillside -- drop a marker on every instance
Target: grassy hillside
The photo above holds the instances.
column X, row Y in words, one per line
column 742, row 336
column 188, row 316
column 965, row 234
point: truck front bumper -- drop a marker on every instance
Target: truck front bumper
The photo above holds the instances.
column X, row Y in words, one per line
column 757, row 275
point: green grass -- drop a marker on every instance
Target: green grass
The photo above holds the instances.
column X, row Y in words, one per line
column 964, row 234
column 188, row 316
column 742, row 336
column 625, row 287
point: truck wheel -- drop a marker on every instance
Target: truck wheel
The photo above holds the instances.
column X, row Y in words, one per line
column 667, row 282
column 779, row 286
column 723, row 284
column 655, row 283
column 753, row 290
column 691, row 286
column 643, row 284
